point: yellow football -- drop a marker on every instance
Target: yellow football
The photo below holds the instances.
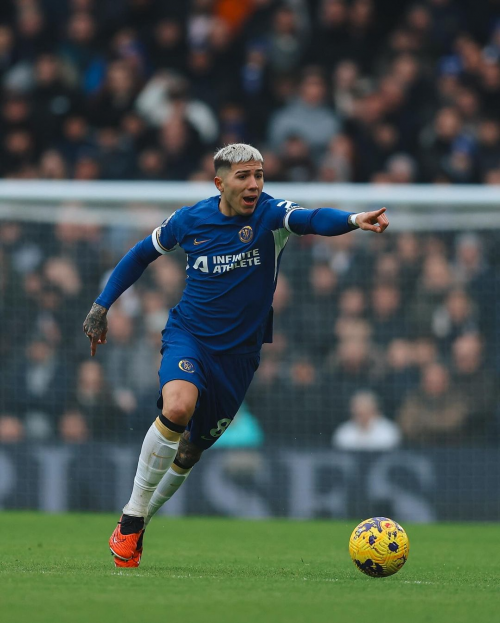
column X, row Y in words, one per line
column 379, row 547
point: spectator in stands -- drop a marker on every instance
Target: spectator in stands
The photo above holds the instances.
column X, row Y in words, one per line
column 168, row 278
column 73, row 427
column 350, row 367
column 488, row 151
column 233, row 124
column 41, row 381
column 7, row 53
column 118, row 362
column 52, row 165
column 367, row 428
column 424, row 351
column 18, row 152
column 181, row 146
column 489, row 86
column 93, row 399
column 81, row 51
column 320, row 309
column 296, row 388
column 16, row 114
column 477, row 385
column 167, row 47
column 437, row 142
column 456, row 317
column 32, row 33
column 435, row 414
column 307, row 116
column 470, row 263
column 386, row 269
column 330, row 44
column 338, row 163
column 11, row 429
column 52, row 98
column 408, row 257
column 167, row 95
column 433, row 286
column 75, row 139
column 385, row 314
column 298, row 164
column 400, row 375
column 117, row 160
column 263, row 395
column 127, row 46
column 346, row 259
column 150, row 165
column 401, row 169
column 286, row 41
column 116, row 97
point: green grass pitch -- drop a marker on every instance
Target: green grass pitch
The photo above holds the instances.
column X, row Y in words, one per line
column 200, row 570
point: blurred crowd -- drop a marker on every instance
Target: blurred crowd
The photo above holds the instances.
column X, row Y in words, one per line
column 379, row 344
column 330, row 90
column 379, row 341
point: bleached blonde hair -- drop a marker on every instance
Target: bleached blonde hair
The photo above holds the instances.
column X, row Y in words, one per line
column 235, row 153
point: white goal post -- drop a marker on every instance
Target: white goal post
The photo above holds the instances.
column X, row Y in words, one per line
column 411, row 207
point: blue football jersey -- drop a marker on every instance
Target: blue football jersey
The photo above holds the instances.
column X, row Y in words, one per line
column 232, row 269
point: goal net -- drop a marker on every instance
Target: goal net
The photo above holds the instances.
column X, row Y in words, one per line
column 378, row 396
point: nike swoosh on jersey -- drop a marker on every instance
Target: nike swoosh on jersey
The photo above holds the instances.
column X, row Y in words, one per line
column 197, row 242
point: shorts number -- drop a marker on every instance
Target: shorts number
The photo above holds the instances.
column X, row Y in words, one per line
column 221, row 427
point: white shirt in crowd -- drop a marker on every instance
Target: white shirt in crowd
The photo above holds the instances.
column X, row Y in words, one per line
column 379, row 434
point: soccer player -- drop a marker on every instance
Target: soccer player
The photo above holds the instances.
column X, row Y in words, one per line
column 213, row 337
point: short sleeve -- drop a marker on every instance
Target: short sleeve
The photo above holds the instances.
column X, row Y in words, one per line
column 165, row 238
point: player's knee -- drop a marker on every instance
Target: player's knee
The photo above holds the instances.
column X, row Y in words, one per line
column 178, row 411
column 179, row 401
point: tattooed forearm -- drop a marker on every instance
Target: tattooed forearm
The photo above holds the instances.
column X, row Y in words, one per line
column 188, row 454
column 96, row 322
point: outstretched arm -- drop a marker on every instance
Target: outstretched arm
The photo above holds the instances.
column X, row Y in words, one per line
column 331, row 222
column 127, row 272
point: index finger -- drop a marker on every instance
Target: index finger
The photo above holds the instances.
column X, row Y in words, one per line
column 94, row 341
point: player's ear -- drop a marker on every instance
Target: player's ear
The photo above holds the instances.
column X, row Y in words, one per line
column 219, row 183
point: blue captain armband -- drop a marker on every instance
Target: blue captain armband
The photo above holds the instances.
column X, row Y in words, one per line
column 163, row 237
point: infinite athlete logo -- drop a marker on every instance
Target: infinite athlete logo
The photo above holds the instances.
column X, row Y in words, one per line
column 246, row 234
column 186, row 366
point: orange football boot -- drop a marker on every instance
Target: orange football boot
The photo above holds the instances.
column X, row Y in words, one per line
column 126, row 541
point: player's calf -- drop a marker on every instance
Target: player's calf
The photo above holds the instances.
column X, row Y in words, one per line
column 187, row 456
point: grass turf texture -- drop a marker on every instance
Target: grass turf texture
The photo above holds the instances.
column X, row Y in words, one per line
column 57, row 568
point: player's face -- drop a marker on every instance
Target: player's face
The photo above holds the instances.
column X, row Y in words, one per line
column 240, row 188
